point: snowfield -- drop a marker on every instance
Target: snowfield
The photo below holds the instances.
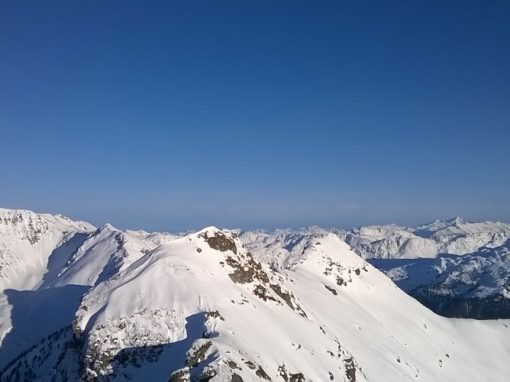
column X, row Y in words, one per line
column 80, row 303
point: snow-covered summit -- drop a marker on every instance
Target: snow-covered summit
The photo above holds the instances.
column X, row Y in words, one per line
column 214, row 305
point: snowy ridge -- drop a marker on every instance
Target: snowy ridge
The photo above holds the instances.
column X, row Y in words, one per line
column 27, row 240
column 432, row 262
column 105, row 253
column 213, row 305
column 454, row 236
column 46, row 258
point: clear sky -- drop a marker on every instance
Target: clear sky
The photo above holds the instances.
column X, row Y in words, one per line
column 172, row 115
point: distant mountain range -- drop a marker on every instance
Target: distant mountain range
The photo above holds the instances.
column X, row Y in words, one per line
column 454, row 267
column 100, row 304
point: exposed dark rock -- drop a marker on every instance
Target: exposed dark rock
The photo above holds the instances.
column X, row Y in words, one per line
column 214, row 314
column 198, row 354
column 350, row 369
column 288, row 298
column 283, row 373
column 232, row 365
column 262, row 374
column 332, row 290
column 262, row 293
column 285, row 296
column 290, row 377
column 247, row 272
column 298, row 377
column 220, row 242
column 181, row 375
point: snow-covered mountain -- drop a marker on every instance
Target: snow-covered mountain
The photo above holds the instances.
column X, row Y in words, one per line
column 213, row 305
column 28, row 239
column 475, row 285
column 454, row 236
column 454, row 267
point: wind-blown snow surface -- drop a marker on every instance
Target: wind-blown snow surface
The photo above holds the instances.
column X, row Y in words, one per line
column 157, row 306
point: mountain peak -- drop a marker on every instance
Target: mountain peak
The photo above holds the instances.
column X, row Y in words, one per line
column 108, row 227
column 209, row 230
column 457, row 220
column 221, row 306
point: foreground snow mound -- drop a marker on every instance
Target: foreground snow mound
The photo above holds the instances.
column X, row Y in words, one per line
column 202, row 307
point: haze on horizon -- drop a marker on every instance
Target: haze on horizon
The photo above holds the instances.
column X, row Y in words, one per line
column 176, row 115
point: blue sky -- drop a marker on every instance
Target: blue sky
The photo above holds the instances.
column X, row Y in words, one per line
column 174, row 115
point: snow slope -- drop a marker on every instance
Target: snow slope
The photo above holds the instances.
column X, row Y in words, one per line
column 50, row 261
column 29, row 245
column 211, row 305
column 454, row 267
column 471, row 285
column 27, row 240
